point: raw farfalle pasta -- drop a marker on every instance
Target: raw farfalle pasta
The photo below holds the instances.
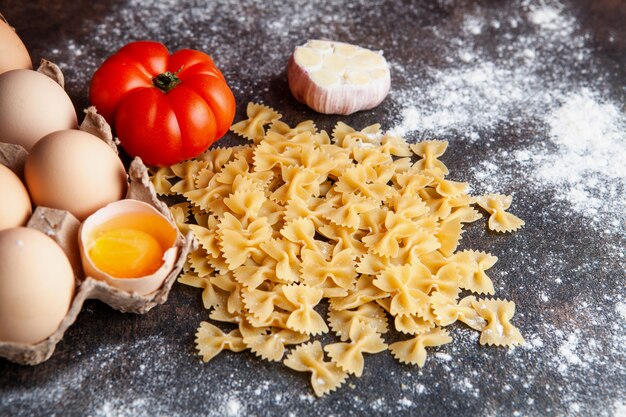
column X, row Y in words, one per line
column 197, row 262
column 369, row 314
column 258, row 117
column 498, row 331
column 263, row 303
column 348, row 213
column 500, row 220
column 180, row 213
column 187, row 172
column 387, row 242
column 413, row 351
column 405, row 284
column 343, row 133
column 160, row 180
column 475, row 278
column 285, row 253
column 359, row 223
column 429, row 151
column 210, row 297
column 349, row 356
column 210, row 341
column 304, row 318
column 447, row 313
column 271, row 346
column 240, row 241
column 335, row 277
column 325, row 376
column 363, row 293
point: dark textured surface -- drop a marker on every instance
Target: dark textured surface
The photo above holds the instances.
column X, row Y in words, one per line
column 565, row 273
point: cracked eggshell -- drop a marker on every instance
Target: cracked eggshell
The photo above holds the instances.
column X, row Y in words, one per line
column 142, row 285
column 338, row 78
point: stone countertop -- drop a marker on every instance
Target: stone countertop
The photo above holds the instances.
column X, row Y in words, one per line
column 530, row 95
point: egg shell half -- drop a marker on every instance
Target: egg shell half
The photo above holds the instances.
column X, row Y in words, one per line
column 15, row 205
column 75, row 171
column 32, row 106
column 13, row 53
column 36, row 285
column 143, row 285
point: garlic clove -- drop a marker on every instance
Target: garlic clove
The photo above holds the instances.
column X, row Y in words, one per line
column 308, row 57
column 326, row 78
column 335, row 63
column 346, row 49
column 357, row 78
column 338, row 78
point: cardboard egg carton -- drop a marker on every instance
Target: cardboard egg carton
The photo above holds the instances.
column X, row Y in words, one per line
column 63, row 227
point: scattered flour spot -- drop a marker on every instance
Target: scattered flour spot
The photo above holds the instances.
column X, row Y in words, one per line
column 233, row 407
column 405, row 402
column 621, row 310
column 547, row 17
column 619, row 408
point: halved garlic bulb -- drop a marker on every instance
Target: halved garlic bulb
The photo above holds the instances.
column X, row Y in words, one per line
column 130, row 245
column 338, row 78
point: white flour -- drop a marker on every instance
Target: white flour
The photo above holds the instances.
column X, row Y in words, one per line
column 581, row 157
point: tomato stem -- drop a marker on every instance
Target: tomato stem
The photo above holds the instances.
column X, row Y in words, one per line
column 167, row 81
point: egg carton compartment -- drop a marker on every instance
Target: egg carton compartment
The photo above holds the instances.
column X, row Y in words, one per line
column 63, row 228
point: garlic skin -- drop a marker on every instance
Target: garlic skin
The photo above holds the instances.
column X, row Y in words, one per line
column 338, row 78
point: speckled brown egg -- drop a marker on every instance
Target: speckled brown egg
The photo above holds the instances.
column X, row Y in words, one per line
column 32, row 106
column 13, row 53
column 75, row 171
column 15, row 206
column 36, row 285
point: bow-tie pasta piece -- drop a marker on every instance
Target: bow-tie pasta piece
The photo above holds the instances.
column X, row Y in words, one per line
column 406, row 284
column 500, row 220
column 413, row 351
column 335, row 277
column 304, row 318
column 369, row 314
column 253, row 128
column 271, row 346
column 325, row 376
column 240, row 242
column 210, row 296
column 447, row 311
column 210, row 341
column 349, row 356
column 499, row 331
column 430, row 151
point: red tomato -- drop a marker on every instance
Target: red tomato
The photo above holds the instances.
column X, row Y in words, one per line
column 165, row 108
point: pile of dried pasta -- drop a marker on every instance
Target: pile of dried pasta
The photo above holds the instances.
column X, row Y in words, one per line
column 300, row 216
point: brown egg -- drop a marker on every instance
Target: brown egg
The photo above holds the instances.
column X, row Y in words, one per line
column 31, row 106
column 75, row 171
column 13, row 53
column 36, row 285
column 15, row 208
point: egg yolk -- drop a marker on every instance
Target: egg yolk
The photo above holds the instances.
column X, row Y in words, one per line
column 126, row 253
